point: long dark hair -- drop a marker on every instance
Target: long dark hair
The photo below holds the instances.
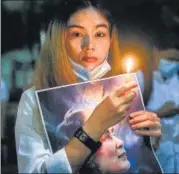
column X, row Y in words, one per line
column 61, row 11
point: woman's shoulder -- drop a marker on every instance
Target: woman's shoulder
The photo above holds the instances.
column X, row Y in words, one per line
column 29, row 95
column 29, row 121
column 29, row 91
column 28, row 111
column 28, row 101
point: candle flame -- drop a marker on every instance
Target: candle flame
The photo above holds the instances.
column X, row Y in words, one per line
column 129, row 63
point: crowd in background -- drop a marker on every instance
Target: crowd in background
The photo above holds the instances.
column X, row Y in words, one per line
column 148, row 29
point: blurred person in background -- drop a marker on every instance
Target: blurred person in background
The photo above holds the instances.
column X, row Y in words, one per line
column 163, row 84
column 19, row 56
column 20, row 48
column 164, row 97
column 4, row 101
column 166, row 89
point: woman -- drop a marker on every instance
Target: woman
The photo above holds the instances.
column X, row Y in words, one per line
column 81, row 45
column 110, row 158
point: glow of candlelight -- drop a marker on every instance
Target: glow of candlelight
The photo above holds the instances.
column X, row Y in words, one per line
column 129, row 63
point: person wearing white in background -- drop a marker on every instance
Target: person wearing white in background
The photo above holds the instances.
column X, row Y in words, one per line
column 164, row 99
column 4, row 100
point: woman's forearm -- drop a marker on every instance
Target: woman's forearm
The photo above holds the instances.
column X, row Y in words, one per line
column 77, row 152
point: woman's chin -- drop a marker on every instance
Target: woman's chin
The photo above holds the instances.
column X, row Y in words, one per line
column 122, row 166
column 90, row 67
column 116, row 168
column 127, row 165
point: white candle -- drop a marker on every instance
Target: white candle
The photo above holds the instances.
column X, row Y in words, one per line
column 128, row 64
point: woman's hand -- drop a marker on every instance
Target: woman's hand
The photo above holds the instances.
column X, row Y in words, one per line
column 145, row 119
column 111, row 110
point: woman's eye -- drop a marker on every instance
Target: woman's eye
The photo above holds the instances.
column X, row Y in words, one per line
column 100, row 34
column 77, row 34
column 108, row 137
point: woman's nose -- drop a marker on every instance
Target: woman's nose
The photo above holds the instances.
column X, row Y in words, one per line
column 87, row 43
column 119, row 144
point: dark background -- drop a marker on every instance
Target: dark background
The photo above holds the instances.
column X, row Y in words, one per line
column 140, row 23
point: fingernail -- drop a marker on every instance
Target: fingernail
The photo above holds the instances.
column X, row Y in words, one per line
column 135, row 85
column 131, row 115
column 133, row 93
column 133, row 126
column 130, row 121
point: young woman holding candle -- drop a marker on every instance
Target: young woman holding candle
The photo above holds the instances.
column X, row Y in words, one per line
column 81, row 45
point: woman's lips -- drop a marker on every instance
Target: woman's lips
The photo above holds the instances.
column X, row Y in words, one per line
column 123, row 155
column 90, row 59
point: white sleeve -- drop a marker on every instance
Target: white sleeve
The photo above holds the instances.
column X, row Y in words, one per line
column 33, row 152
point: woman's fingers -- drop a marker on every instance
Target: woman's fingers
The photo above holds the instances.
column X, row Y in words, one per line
column 117, row 98
column 123, row 108
column 137, row 113
column 117, row 102
column 143, row 117
column 125, row 88
column 128, row 98
column 112, row 108
column 148, row 123
column 150, row 132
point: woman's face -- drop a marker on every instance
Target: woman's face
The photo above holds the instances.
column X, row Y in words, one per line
column 88, row 38
column 111, row 157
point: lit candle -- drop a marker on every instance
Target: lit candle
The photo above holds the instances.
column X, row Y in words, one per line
column 128, row 64
column 129, row 61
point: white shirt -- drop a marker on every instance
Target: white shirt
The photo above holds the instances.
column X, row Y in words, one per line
column 4, row 91
column 33, row 151
column 163, row 91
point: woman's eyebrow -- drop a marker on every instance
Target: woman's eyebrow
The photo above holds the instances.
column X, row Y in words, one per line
column 102, row 25
column 79, row 26
column 75, row 26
